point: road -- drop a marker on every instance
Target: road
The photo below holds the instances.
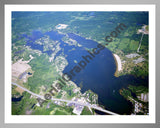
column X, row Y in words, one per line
column 68, row 101
column 140, row 42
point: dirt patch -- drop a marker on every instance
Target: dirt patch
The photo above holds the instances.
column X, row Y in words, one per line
column 19, row 90
column 20, row 67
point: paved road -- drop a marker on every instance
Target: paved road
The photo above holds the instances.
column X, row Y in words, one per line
column 68, row 101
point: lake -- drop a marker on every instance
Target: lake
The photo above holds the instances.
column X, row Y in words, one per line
column 98, row 75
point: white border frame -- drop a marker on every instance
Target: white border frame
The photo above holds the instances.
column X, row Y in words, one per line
column 79, row 119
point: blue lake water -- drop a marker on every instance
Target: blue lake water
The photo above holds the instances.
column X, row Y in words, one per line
column 98, row 74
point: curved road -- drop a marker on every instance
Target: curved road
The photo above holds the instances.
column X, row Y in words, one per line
column 68, row 101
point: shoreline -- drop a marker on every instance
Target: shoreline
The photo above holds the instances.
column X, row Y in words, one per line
column 118, row 63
